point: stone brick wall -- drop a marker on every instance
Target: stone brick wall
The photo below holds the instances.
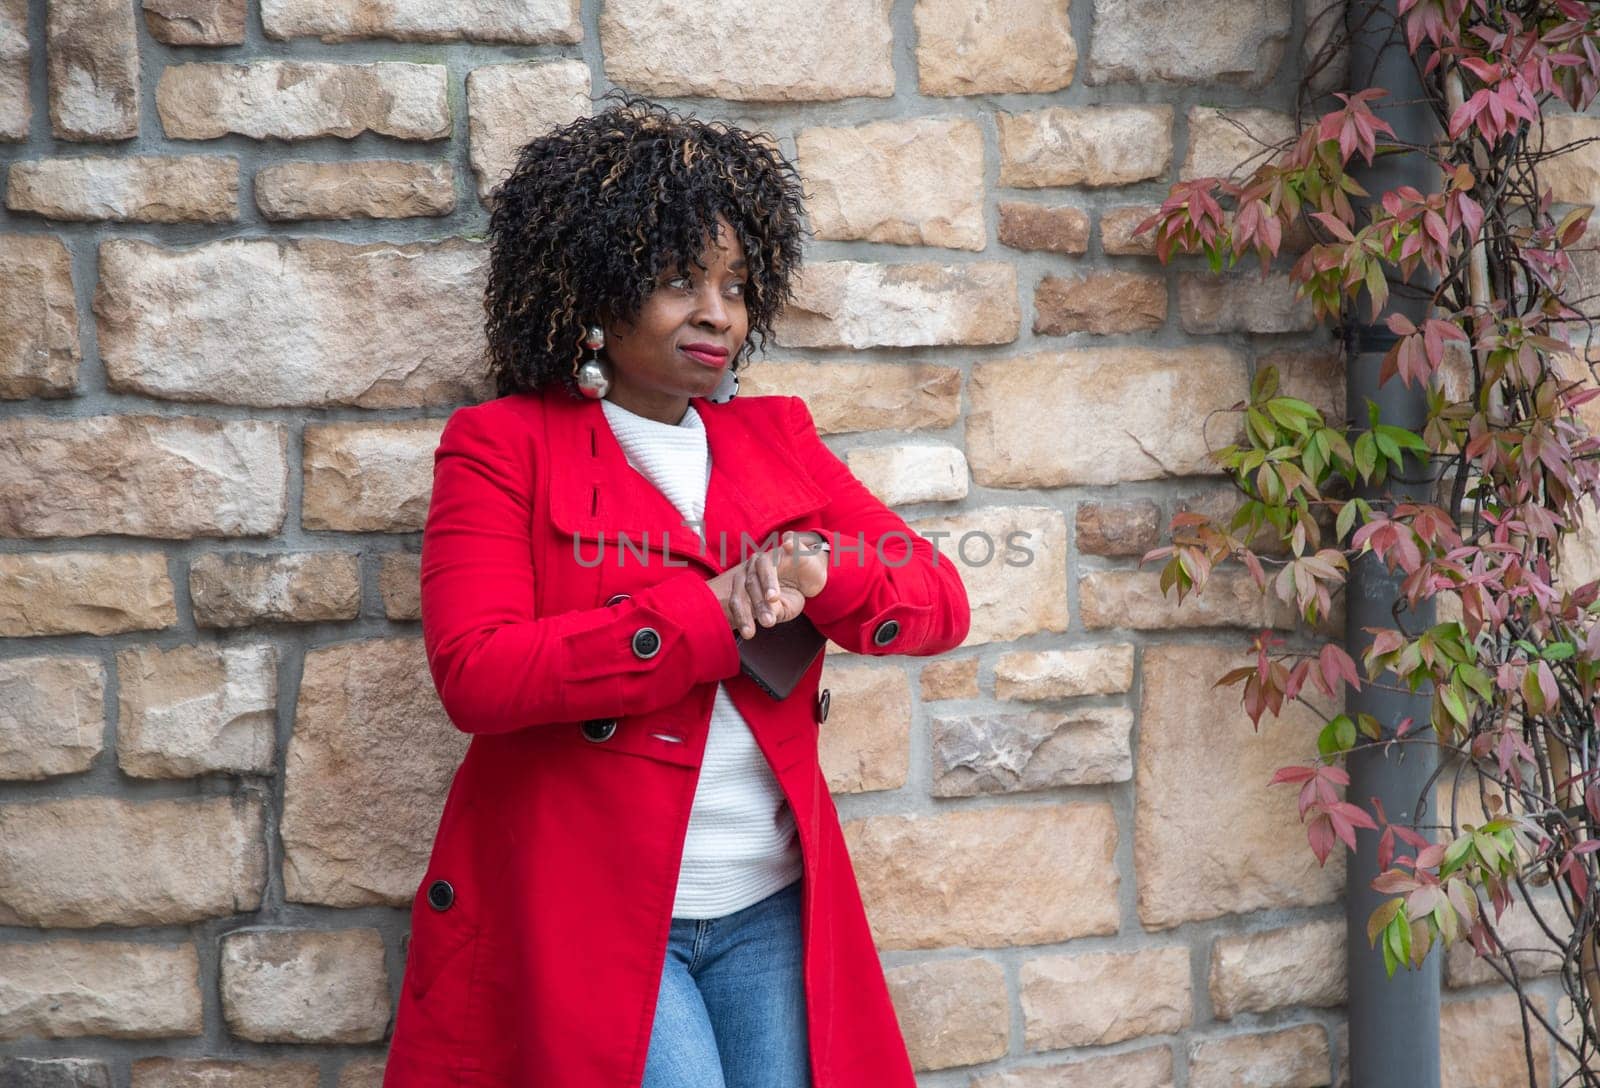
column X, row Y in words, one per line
column 240, row 270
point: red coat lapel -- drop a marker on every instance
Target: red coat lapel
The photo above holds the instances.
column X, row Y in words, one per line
column 755, row 487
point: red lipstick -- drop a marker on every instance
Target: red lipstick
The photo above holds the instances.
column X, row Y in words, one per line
column 706, row 354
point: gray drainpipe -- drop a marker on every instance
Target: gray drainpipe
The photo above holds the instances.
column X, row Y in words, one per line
column 1394, row 1023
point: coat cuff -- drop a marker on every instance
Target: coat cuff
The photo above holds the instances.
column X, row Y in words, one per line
column 849, row 581
column 693, row 605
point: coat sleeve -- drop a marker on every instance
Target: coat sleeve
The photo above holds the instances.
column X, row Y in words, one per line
column 879, row 569
column 496, row 665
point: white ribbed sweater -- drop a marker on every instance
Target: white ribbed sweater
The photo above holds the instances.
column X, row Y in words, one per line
column 741, row 845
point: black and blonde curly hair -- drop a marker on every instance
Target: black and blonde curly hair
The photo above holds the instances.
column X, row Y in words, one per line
column 595, row 210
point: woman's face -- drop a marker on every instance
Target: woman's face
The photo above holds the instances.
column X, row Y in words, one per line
column 686, row 335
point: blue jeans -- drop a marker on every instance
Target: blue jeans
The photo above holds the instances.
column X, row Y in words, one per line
column 732, row 1009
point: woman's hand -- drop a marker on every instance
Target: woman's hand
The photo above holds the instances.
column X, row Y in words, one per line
column 771, row 587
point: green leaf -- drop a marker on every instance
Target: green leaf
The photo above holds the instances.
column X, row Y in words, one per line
column 1366, row 455
column 1345, row 521
column 1387, row 445
column 1559, row 651
column 1380, row 918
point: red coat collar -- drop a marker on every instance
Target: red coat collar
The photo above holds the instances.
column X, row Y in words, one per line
column 756, row 483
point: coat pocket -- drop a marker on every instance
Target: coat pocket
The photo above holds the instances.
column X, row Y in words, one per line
column 444, row 925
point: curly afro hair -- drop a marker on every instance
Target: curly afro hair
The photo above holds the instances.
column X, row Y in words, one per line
column 595, row 210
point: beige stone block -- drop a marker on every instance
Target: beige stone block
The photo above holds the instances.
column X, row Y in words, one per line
column 1225, row 143
column 1118, row 528
column 1480, row 1044
column 206, row 1073
column 1241, row 302
column 399, row 583
column 15, row 100
column 1202, row 41
column 366, row 189
column 59, row 989
column 1211, row 837
column 860, row 304
column 1117, row 227
column 820, row 51
column 950, row 679
column 1133, row 599
column 1100, row 303
column 1276, row 968
column 1063, row 229
column 1012, row 560
column 1316, row 377
column 290, row 337
column 952, row 1012
column 1521, row 932
column 89, row 861
column 1007, row 753
column 987, row 878
column 851, row 396
column 305, row 986
column 238, row 589
column 993, row 46
column 1099, row 998
column 866, row 742
column 1571, row 1027
column 1149, row 1067
column 142, row 475
column 362, row 1073
column 367, row 771
column 521, row 22
column 1132, row 414
column 91, row 593
column 195, row 710
column 92, row 69
column 302, row 100
column 135, row 188
column 510, row 104
column 1293, row 1058
column 1572, row 173
column 195, row 22
column 1324, row 21
column 1040, row 675
column 39, row 352
column 902, row 475
column 1095, row 146
column 917, row 181
column 369, row 477
column 52, row 715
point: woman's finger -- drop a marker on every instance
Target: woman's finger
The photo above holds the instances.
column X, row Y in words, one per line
column 739, row 603
column 755, row 585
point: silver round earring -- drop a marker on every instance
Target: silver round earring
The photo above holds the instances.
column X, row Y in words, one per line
column 726, row 389
column 593, row 376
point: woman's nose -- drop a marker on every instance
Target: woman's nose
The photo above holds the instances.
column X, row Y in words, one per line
column 713, row 310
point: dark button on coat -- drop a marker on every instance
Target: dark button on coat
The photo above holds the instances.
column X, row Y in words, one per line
column 563, row 828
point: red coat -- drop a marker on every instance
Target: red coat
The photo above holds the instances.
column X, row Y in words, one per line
column 556, row 858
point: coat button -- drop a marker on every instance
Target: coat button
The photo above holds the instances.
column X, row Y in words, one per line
column 646, row 642
column 617, row 598
column 599, row 729
column 885, row 633
column 441, row 895
column 822, row 706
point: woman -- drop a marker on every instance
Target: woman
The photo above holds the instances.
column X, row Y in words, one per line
column 639, row 876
